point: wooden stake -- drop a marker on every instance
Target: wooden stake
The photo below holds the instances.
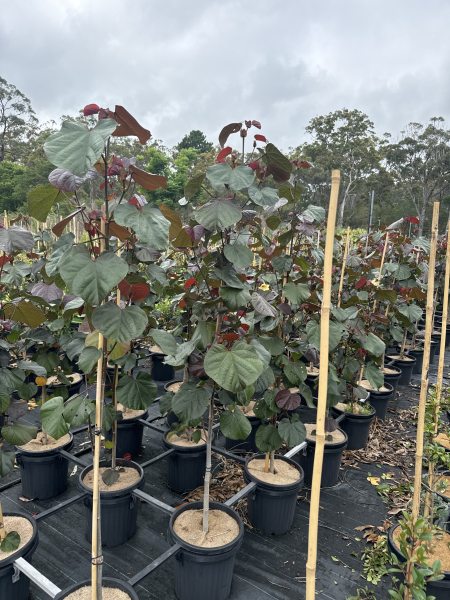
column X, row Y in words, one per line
column 260, row 258
column 116, row 381
column 5, row 221
column 322, row 400
column 2, row 525
column 381, row 267
column 343, row 267
column 266, row 464
column 440, row 373
column 426, row 362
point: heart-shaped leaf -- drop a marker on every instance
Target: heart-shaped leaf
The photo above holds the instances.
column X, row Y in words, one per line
column 11, row 542
column 18, row 434
column 193, row 185
column 190, row 402
column 235, row 425
column 267, row 438
column 52, row 418
column 219, row 213
column 117, row 324
column 263, row 196
column 7, row 460
column 296, row 292
column 150, row 225
column 262, row 306
column 41, row 199
column 25, row 312
column 16, row 238
column 233, row 369
column 138, row 393
column 234, row 298
column 286, row 400
column 48, row 292
column 292, row 431
column 240, row 256
column 110, row 476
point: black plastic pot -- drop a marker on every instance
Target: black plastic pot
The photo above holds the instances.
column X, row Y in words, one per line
column 439, row 589
column 2, row 420
column 417, row 353
column 129, row 436
column 72, row 389
column 393, row 378
column 433, row 346
column 271, row 507
column 160, row 371
column 118, row 508
column 332, row 456
column 311, row 380
column 406, row 367
column 204, row 573
column 357, row 427
column 379, row 400
column 20, row 589
column 107, row 582
column 43, row 474
column 437, row 338
column 185, row 467
column 247, row 445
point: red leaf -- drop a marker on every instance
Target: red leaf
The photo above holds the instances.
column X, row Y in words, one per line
column 414, row 220
column 248, row 124
column 182, row 304
column 117, row 161
column 244, row 326
column 114, row 170
column 361, row 283
column 254, row 165
column 195, row 233
column 189, row 282
column 195, row 365
column 5, row 259
column 256, row 124
column 139, row 291
column 214, row 291
column 127, row 456
column 91, row 109
column 230, row 337
column 224, row 153
column 260, row 138
column 286, row 400
column 125, row 289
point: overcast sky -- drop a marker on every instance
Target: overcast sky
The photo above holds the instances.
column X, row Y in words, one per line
column 179, row 65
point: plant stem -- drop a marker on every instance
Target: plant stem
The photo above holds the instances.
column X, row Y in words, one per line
column 208, row 465
column 272, row 462
column 44, row 398
column 266, row 465
column 402, row 349
column 114, row 437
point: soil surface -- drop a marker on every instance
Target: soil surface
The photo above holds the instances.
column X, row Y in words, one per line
column 53, row 381
column 23, row 527
column 129, row 413
column 438, row 549
column 445, row 481
column 126, row 478
column 156, row 350
column 337, row 436
column 368, row 386
column 443, row 440
column 388, row 370
column 284, row 472
column 312, row 370
column 174, row 387
column 38, row 446
column 85, row 593
column 396, row 356
column 248, row 410
column 223, row 529
column 182, row 440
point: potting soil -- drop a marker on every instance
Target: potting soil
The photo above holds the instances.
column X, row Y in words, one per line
column 85, row 593
column 222, row 528
column 126, row 478
column 182, row 440
column 438, row 549
column 54, row 381
column 23, row 527
column 285, row 473
column 37, row 445
column 443, row 440
column 174, row 387
column 368, row 386
column 337, row 436
column 129, row 413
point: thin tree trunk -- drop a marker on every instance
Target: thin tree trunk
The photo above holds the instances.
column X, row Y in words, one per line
column 44, row 398
column 208, row 466
column 272, row 462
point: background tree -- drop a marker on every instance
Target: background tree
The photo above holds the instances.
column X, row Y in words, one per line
column 420, row 160
column 197, row 140
column 18, row 122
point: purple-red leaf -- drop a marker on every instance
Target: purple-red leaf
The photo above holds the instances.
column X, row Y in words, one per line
column 195, row 233
column 91, row 109
column 195, row 365
column 285, row 308
column 256, row 124
column 286, row 400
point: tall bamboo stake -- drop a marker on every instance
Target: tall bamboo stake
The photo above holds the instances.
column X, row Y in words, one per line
column 381, row 266
column 343, row 267
column 426, row 362
column 116, row 380
column 322, row 401
column 2, row 525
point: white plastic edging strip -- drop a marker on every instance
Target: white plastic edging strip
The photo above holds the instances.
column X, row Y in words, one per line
column 33, row 574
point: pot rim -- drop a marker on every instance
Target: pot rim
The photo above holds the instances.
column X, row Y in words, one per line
column 56, row 450
column 183, row 448
column 22, row 551
column 331, row 444
column 275, row 486
column 121, row 492
column 126, row 587
column 394, row 546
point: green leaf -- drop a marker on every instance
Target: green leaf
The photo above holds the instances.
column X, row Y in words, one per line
column 234, row 298
column 263, row 353
column 165, row 341
column 296, row 292
column 274, row 344
column 11, row 542
column 52, row 418
column 117, row 324
column 10, row 380
column 59, row 250
column 264, row 381
column 31, row 366
column 401, row 273
column 156, row 273
column 239, row 255
column 219, row 213
column 88, row 359
column 267, row 438
column 222, row 174
column 90, row 279
column 276, row 157
column 14, row 274
column 374, row 345
column 313, row 333
column 18, row 434
column 150, row 225
column 110, row 476
column 282, row 263
column 190, row 402
column 115, row 349
column 4, row 402
column 41, row 200
column 412, row 312
column 233, row 369
column 265, row 196
column 138, row 393
column 126, row 362
column 317, row 213
column 109, row 416
column 6, row 462
column 287, row 191
column 373, row 374
column 27, row 391
column 75, row 348
column 77, row 410
column 165, row 403
column 193, row 185
column 76, row 148
column 292, row 431
column 386, row 296
column 48, row 360
column 272, row 222
column 295, row 372
column 230, row 277
column 235, row 425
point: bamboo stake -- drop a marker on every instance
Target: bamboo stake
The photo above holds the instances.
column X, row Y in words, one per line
column 322, row 401
column 5, row 221
column 44, row 399
column 381, row 267
column 260, row 258
column 426, row 362
column 2, row 525
column 116, row 380
column 343, row 267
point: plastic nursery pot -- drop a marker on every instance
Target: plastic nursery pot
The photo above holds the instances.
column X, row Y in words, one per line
column 439, row 589
column 357, row 427
column 2, row 420
column 247, row 445
column 129, row 435
column 311, row 381
column 73, row 388
column 406, row 365
column 160, row 371
column 204, row 573
column 119, row 508
column 271, row 507
column 185, row 467
column 10, row 587
column 43, row 474
column 107, row 582
column 437, row 338
column 379, row 400
column 392, row 378
column 433, row 347
column 332, row 456
column 417, row 353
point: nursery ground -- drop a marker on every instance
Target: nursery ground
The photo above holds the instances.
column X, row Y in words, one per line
column 267, row 567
